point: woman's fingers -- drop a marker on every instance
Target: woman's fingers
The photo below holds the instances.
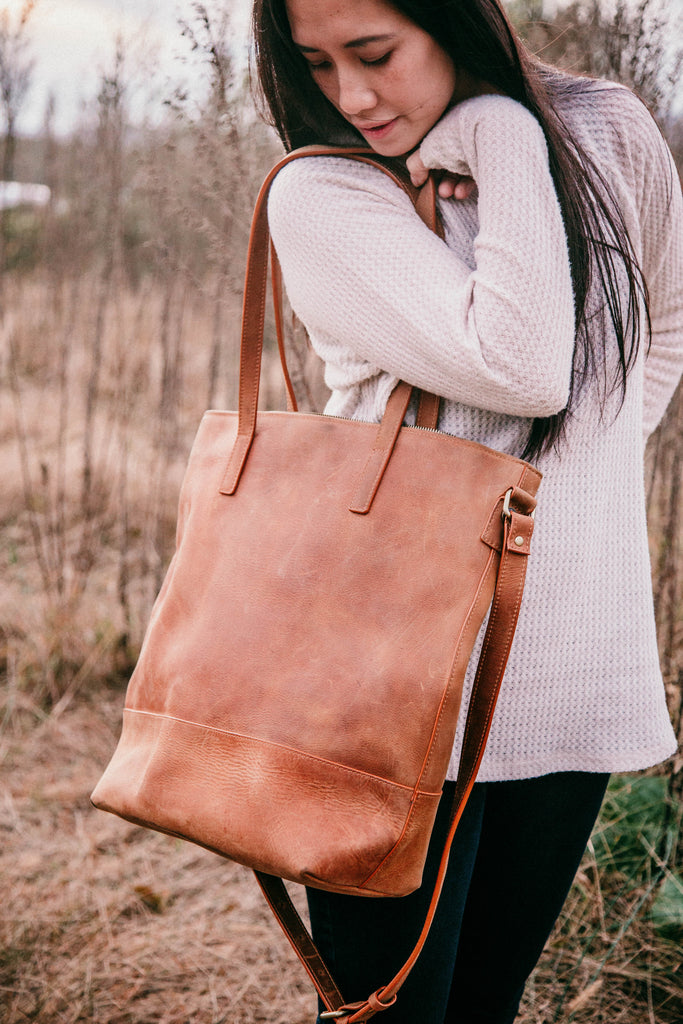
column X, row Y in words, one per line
column 451, row 186
column 456, row 186
column 417, row 170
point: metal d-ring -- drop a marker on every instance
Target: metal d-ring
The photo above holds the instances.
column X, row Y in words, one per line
column 507, row 513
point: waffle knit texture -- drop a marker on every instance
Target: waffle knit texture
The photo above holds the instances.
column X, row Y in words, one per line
column 486, row 320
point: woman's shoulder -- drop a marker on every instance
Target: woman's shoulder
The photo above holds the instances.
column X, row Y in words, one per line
column 597, row 105
column 332, row 179
column 616, row 129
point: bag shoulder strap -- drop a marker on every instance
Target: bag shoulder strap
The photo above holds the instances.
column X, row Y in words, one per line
column 255, row 287
column 424, row 200
column 517, row 527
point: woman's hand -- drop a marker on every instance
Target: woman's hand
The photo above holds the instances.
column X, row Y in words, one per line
column 451, row 186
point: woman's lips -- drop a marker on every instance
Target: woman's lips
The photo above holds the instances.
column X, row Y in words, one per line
column 376, row 131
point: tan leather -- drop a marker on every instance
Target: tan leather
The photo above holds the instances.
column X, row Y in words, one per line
column 296, row 696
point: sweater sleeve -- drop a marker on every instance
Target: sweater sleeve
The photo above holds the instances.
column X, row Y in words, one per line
column 662, row 265
column 377, row 290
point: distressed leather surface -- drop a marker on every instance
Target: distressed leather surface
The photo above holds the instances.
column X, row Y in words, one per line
column 297, row 693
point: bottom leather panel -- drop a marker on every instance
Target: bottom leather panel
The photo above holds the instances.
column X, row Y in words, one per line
column 268, row 806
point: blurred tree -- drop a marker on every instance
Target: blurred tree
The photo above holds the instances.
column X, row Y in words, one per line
column 229, row 153
column 104, row 217
column 636, row 42
column 16, row 67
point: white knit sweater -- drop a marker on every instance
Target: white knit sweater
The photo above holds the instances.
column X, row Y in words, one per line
column 486, row 321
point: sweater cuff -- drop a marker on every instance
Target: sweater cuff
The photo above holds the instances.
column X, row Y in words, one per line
column 455, row 141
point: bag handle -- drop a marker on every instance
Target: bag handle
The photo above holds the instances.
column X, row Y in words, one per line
column 253, row 317
column 424, row 200
column 428, row 406
column 517, row 526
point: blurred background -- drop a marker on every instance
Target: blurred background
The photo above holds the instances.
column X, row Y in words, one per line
column 130, row 156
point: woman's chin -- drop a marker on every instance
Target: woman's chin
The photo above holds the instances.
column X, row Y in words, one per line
column 390, row 147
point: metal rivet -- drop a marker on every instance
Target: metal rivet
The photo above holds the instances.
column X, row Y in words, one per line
column 519, row 541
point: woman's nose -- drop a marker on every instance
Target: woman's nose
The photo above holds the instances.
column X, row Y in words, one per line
column 355, row 95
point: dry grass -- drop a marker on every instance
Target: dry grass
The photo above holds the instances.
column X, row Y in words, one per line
column 80, row 569
column 107, row 923
column 604, row 964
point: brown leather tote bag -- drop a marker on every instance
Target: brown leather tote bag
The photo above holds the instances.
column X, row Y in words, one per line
column 296, row 697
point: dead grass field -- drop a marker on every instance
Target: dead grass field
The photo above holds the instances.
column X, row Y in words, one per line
column 101, row 921
column 107, row 923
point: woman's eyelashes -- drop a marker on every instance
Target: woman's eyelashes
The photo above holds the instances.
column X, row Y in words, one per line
column 323, row 65
column 377, row 60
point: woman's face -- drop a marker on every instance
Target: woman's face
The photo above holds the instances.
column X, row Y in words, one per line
column 386, row 76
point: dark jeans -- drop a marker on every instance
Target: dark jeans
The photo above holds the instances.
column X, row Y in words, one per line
column 513, row 860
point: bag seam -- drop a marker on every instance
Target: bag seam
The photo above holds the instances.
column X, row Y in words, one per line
column 281, row 746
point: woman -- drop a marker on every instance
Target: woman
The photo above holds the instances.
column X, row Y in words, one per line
column 550, row 320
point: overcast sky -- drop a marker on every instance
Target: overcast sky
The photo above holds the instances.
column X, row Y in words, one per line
column 72, row 40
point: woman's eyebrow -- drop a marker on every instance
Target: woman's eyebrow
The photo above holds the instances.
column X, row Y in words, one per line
column 361, row 41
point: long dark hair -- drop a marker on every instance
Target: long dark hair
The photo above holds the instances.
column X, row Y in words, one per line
column 480, row 40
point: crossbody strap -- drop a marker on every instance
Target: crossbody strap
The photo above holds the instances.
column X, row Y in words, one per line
column 517, row 527
column 517, row 530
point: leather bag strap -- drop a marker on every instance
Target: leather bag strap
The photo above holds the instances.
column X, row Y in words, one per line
column 424, row 200
column 517, row 527
column 253, row 318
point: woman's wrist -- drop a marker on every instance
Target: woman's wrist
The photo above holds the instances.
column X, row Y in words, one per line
column 458, row 140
